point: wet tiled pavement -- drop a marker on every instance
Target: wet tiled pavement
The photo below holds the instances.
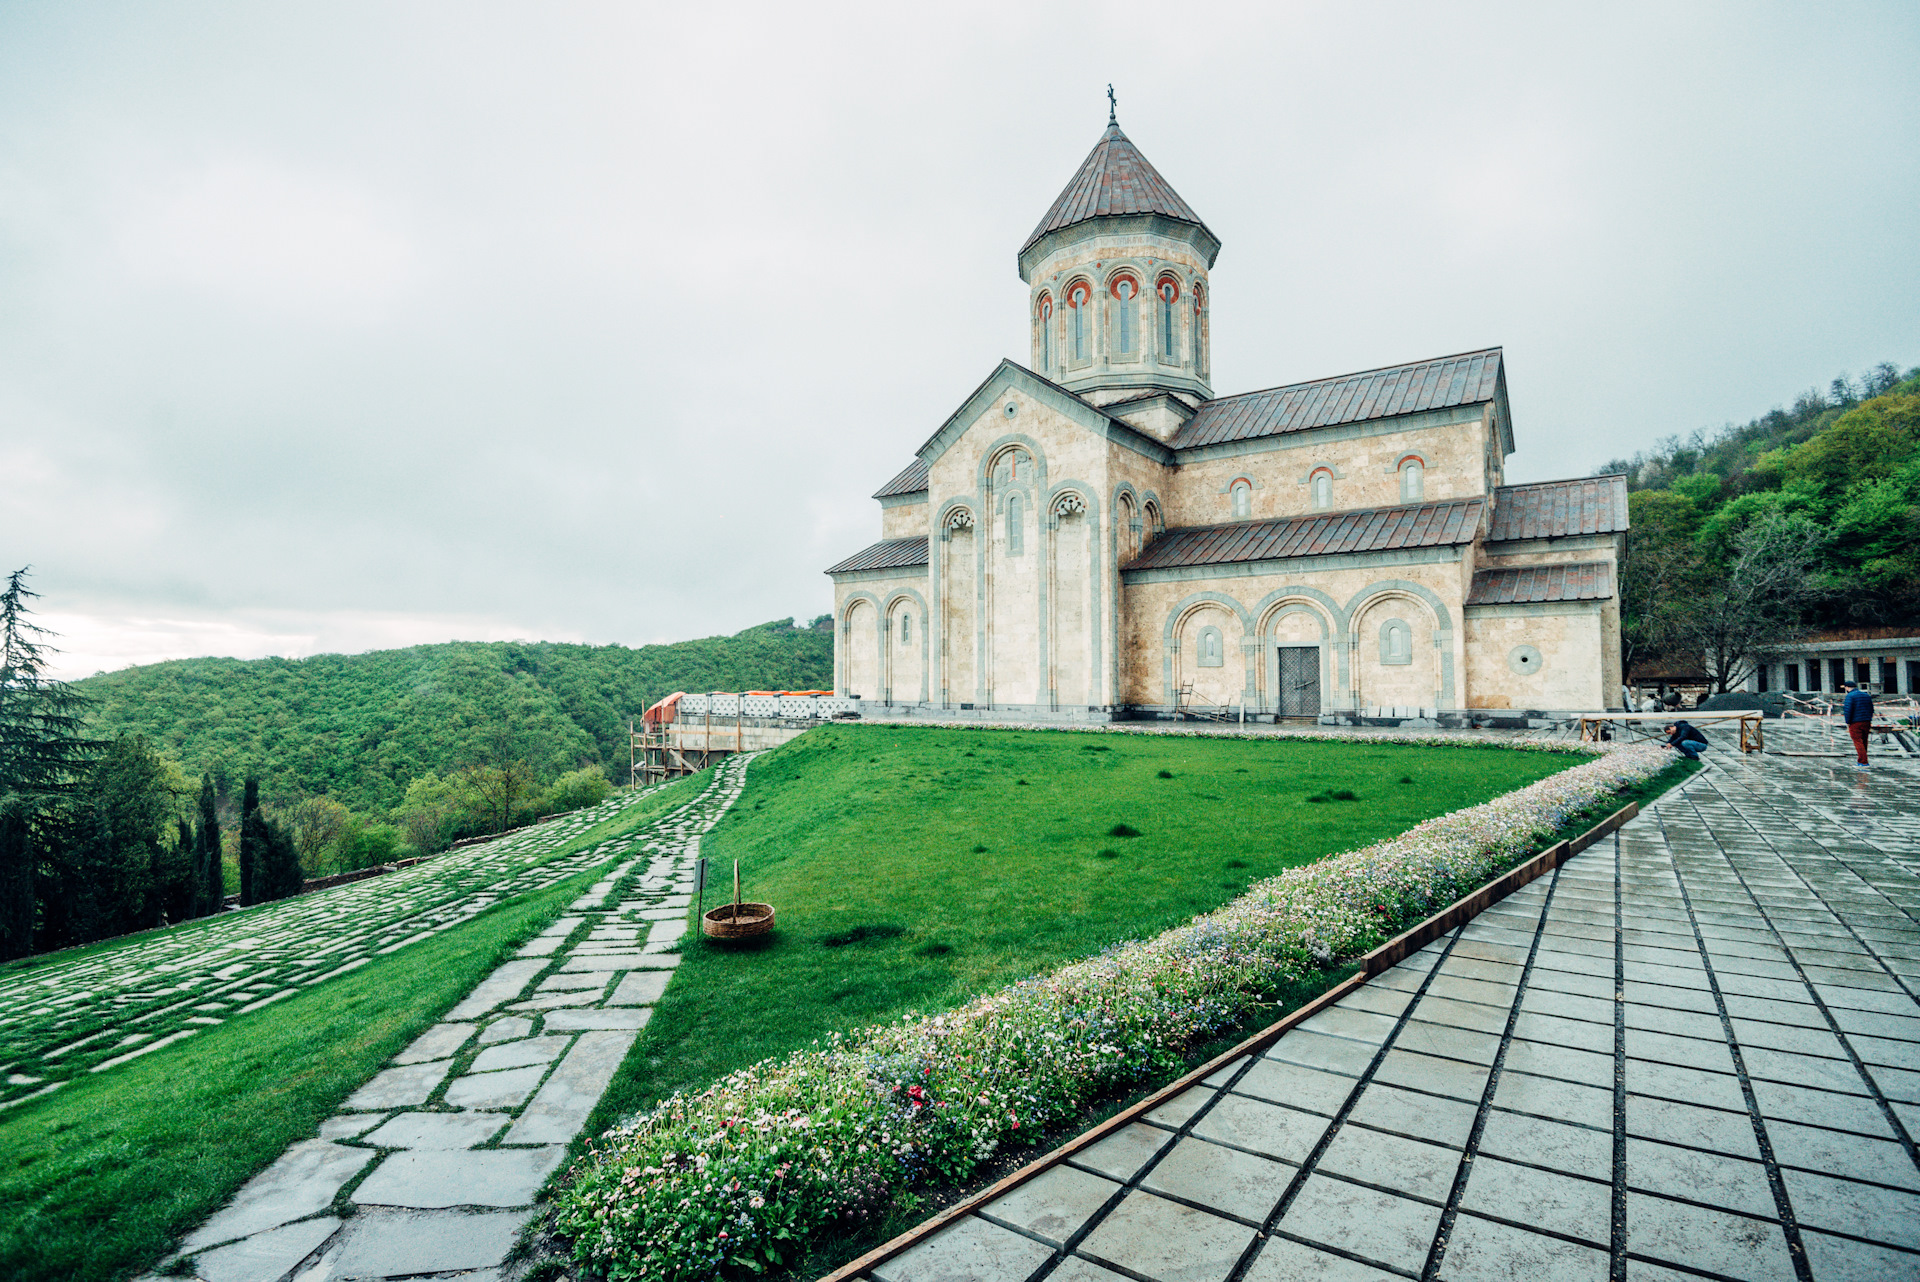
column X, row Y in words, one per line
column 1694, row 1050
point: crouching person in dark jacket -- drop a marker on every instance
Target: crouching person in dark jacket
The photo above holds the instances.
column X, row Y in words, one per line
column 1685, row 740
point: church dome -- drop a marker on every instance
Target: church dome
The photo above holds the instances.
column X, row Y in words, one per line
column 1116, row 181
column 1117, row 271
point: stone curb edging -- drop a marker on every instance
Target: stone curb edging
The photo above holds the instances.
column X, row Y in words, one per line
column 1373, row 963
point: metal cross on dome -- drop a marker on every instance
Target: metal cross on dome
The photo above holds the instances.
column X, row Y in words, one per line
column 1113, row 107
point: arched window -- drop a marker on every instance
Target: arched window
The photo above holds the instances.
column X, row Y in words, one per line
column 1151, row 524
column 1124, row 289
column 1046, row 334
column 1129, row 529
column 906, row 629
column 1413, row 480
column 1077, row 299
column 1322, row 490
column 1169, row 295
column 1199, row 317
column 1242, row 494
column 1396, row 642
column 1212, row 649
column 1016, row 526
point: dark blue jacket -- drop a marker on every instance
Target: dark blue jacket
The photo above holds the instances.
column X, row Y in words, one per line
column 1858, row 707
column 1683, row 732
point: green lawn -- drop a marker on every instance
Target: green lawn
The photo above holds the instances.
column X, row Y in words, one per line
column 101, row 1178
column 915, row 867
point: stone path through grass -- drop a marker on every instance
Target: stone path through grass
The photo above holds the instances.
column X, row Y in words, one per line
column 440, row 1156
column 1692, row 1051
column 105, row 1005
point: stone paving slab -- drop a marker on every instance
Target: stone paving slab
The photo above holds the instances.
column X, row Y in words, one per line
column 455, row 1140
column 1693, row 1050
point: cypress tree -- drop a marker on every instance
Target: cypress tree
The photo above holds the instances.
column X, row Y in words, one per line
column 206, row 848
column 281, row 864
column 253, row 840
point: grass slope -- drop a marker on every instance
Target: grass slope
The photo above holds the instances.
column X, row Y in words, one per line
column 913, row 868
column 359, row 727
column 103, row 1177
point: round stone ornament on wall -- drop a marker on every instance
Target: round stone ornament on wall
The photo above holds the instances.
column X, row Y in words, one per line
column 1525, row 660
column 1012, row 409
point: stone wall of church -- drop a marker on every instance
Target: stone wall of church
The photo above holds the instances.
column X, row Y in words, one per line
column 881, row 642
column 1552, row 657
column 1024, row 587
column 1378, row 635
column 1365, row 472
column 903, row 520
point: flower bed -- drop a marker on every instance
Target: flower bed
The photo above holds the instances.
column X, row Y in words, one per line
column 739, row 1175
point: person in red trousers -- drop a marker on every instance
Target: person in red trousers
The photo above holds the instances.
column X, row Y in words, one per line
column 1857, row 711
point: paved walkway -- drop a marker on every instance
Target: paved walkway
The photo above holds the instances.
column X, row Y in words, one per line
column 442, row 1153
column 1693, row 1051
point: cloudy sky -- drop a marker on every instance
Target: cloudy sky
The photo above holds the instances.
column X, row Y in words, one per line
column 334, row 326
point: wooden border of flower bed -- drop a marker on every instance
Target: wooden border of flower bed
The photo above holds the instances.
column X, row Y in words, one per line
column 1386, row 956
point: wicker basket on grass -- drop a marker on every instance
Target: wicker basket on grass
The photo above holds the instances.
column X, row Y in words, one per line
column 737, row 921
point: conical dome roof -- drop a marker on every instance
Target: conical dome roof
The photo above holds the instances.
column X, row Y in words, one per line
column 1115, row 179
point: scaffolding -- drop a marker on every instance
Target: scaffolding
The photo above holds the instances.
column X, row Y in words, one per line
column 685, row 733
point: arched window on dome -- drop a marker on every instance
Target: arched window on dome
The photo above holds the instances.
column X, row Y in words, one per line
column 1199, row 328
column 1169, row 294
column 1241, row 492
column 1322, row 490
column 1413, row 480
column 1125, row 290
column 1046, row 334
column 1078, row 298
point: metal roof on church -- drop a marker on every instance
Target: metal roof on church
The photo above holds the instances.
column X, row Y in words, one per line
column 912, row 481
column 1470, row 378
column 1579, row 581
column 1322, row 534
column 888, row 554
column 1115, row 179
column 1556, row 509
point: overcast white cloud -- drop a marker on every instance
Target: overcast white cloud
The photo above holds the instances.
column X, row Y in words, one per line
column 333, row 327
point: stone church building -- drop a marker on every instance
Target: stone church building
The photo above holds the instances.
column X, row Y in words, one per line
column 1097, row 534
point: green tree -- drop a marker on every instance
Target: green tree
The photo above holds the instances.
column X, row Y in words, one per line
column 279, row 872
column 112, row 873
column 206, row 846
column 43, row 756
column 253, row 843
column 575, row 790
column 1758, row 602
column 318, row 825
column 18, row 874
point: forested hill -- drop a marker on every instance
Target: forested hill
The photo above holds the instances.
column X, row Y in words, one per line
column 358, row 727
column 1803, row 519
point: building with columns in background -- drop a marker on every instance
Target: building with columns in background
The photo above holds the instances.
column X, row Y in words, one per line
column 1096, row 534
